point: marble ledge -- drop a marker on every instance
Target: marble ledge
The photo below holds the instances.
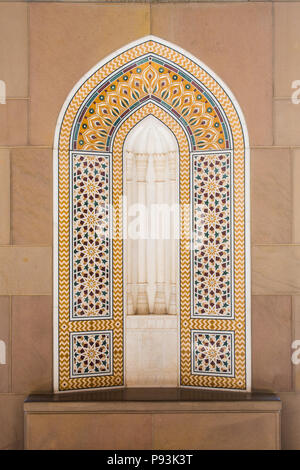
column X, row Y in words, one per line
column 152, row 400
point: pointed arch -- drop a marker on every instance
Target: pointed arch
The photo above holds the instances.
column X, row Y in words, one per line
column 155, row 77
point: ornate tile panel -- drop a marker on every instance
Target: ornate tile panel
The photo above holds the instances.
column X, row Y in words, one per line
column 91, row 353
column 152, row 77
column 213, row 352
column 173, row 88
column 212, row 281
column 91, row 250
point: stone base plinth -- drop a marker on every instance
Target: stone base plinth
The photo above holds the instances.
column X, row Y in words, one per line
column 152, row 419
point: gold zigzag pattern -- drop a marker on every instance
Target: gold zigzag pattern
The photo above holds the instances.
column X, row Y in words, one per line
column 238, row 325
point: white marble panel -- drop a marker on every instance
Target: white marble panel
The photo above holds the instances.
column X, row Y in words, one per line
column 151, row 351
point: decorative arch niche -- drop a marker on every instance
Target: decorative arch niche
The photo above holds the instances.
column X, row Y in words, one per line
column 151, row 77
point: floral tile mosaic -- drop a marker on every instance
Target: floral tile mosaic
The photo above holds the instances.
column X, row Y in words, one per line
column 91, row 353
column 212, row 279
column 213, row 352
column 91, row 248
column 170, row 87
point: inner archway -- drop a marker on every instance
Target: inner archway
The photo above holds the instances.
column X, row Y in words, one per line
column 151, row 162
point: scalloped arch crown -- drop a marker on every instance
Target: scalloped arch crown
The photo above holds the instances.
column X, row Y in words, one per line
column 151, row 76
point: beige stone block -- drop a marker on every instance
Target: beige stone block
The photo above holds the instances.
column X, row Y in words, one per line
column 227, row 38
column 62, row 51
column 151, row 351
column 4, row 197
column 25, row 270
column 286, row 47
column 4, row 344
column 290, row 421
column 271, row 343
column 159, row 419
column 106, row 431
column 286, row 123
column 14, row 49
column 296, row 346
column 31, row 344
column 203, row 431
column 31, row 196
column 13, row 123
column 271, row 196
column 296, row 194
column 11, row 421
column 276, row 270
column 133, row 1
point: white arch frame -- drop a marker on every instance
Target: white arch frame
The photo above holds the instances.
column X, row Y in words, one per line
column 240, row 114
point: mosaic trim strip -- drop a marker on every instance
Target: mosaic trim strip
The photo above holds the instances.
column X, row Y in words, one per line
column 238, row 325
column 91, row 250
column 212, row 281
column 213, row 353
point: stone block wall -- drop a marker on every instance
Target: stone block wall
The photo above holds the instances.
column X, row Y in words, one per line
column 45, row 48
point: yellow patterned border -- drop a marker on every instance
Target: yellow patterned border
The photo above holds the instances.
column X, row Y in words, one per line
column 239, row 324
